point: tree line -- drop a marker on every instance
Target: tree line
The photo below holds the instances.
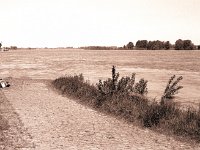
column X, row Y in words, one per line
column 150, row 45
column 99, row 47
column 162, row 45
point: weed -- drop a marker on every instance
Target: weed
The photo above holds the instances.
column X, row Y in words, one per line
column 141, row 87
column 172, row 88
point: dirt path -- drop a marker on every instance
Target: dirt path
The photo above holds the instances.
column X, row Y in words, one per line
column 56, row 122
column 13, row 134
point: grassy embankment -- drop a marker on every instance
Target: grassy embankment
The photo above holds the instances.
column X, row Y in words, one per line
column 127, row 99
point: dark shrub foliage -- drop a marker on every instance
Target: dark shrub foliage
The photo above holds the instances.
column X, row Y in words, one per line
column 141, row 87
column 76, row 86
column 125, row 85
column 172, row 88
column 125, row 98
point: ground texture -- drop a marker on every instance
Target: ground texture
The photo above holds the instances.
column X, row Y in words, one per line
column 39, row 118
column 155, row 66
column 13, row 135
column 56, row 122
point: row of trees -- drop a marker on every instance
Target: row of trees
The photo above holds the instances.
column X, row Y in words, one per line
column 100, row 47
column 184, row 45
column 159, row 45
column 11, row 47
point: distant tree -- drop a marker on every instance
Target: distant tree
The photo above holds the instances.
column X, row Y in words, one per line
column 13, row 47
column 198, row 47
column 124, row 47
column 100, row 47
column 155, row 45
column 167, row 45
column 130, row 45
column 149, row 45
column 142, row 44
column 0, row 45
column 184, row 45
column 161, row 44
column 188, row 45
column 179, row 44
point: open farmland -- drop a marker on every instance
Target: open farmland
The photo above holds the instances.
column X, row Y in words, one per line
column 155, row 66
column 56, row 122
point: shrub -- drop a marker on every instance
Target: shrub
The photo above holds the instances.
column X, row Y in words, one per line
column 125, row 85
column 75, row 86
column 141, row 87
column 172, row 88
column 123, row 98
column 156, row 112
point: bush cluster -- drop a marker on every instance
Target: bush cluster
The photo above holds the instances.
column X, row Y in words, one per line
column 127, row 99
column 77, row 87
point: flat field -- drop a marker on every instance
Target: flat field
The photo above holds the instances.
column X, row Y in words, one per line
column 50, row 121
column 155, row 66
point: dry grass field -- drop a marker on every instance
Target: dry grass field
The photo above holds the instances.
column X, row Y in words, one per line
column 57, row 122
column 155, row 66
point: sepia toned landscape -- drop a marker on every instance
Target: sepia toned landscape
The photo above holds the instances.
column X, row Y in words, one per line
column 44, row 119
column 99, row 75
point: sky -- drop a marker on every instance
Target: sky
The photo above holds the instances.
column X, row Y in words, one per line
column 65, row 23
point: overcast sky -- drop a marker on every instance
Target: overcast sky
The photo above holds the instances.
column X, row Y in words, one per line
column 53, row 23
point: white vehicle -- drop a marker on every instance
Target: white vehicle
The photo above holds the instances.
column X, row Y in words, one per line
column 3, row 84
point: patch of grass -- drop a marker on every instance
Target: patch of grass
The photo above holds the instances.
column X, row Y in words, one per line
column 127, row 99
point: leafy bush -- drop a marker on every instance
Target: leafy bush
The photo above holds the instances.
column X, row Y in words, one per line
column 125, row 98
column 141, row 87
column 75, row 86
column 125, row 85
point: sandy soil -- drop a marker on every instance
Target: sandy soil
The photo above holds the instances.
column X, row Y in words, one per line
column 55, row 122
column 155, row 66
column 13, row 135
